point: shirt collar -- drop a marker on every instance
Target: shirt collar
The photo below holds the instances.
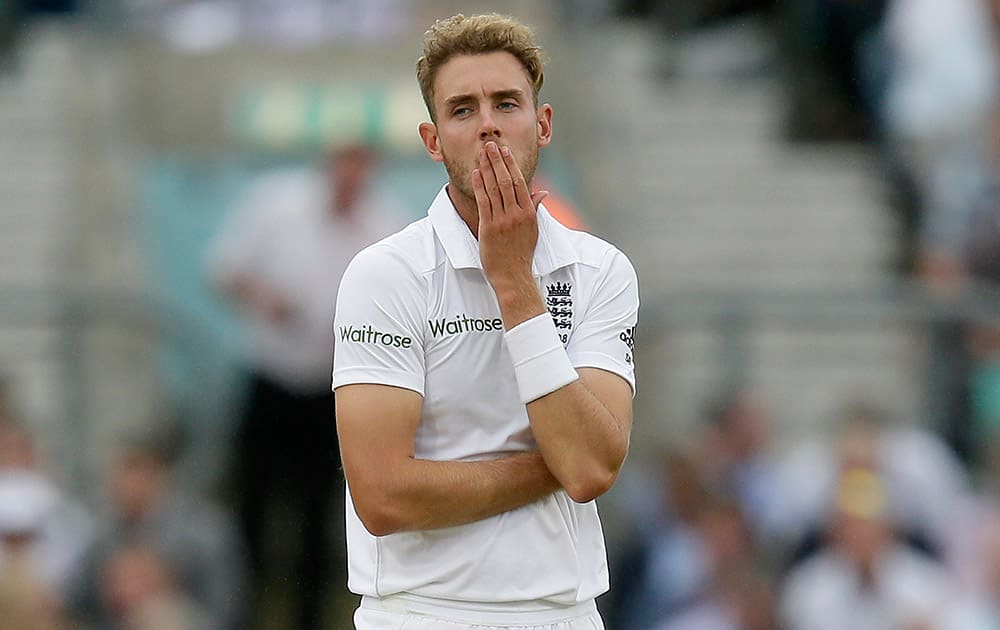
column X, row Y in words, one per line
column 554, row 249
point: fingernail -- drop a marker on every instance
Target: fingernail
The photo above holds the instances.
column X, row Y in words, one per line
column 505, row 150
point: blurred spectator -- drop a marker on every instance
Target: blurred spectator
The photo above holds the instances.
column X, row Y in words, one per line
column 937, row 117
column 737, row 458
column 29, row 599
column 141, row 592
column 280, row 260
column 981, row 609
column 935, row 121
column 60, row 529
column 974, row 555
column 737, row 600
column 663, row 566
column 675, row 567
column 974, row 549
column 866, row 578
column 925, row 479
column 195, row 537
column 17, row 448
column 57, row 527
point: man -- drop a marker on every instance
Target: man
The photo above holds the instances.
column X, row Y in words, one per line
column 279, row 261
column 147, row 504
column 483, row 369
column 866, row 577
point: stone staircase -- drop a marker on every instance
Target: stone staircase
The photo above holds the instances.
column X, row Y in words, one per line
column 35, row 178
column 36, row 216
column 707, row 199
column 77, row 365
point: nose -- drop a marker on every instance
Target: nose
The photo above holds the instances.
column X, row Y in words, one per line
column 488, row 129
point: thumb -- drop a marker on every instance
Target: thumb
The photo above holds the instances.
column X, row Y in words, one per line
column 537, row 196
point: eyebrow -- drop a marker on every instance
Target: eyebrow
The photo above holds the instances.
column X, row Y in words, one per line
column 498, row 95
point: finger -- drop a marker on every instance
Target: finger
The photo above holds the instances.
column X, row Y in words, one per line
column 482, row 200
column 505, row 182
column 490, row 182
column 521, row 193
column 537, row 197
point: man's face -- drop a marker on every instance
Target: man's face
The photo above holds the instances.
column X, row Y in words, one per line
column 478, row 98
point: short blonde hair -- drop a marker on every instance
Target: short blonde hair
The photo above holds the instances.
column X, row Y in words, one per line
column 477, row 35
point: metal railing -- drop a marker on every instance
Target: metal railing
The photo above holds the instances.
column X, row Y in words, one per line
column 70, row 313
column 734, row 313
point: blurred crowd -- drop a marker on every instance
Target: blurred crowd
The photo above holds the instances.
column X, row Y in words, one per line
column 883, row 524
column 880, row 524
column 149, row 557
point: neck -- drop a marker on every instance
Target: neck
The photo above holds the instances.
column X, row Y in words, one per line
column 466, row 208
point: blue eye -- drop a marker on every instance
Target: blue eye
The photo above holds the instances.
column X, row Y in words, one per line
column 507, row 105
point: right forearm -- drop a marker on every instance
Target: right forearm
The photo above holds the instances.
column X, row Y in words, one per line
column 425, row 494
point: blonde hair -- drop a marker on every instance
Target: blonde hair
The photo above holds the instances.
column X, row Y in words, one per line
column 477, row 35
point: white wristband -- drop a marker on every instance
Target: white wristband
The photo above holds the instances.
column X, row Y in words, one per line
column 541, row 365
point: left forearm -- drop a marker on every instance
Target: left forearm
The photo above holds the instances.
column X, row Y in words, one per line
column 584, row 444
column 582, row 438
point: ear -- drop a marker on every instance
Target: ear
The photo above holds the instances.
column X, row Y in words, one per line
column 544, row 119
column 429, row 136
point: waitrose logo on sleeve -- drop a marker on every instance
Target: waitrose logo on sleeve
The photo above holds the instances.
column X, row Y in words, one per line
column 368, row 334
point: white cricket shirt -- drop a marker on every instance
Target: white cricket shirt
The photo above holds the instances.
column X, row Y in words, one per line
column 416, row 311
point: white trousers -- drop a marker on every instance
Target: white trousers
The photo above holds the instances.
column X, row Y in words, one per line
column 402, row 614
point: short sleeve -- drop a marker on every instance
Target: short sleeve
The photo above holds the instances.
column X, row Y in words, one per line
column 605, row 335
column 379, row 322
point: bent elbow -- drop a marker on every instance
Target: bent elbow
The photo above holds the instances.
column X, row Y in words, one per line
column 379, row 527
column 589, row 487
column 377, row 520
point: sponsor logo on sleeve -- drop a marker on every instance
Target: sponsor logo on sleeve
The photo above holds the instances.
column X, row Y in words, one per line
column 628, row 338
column 367, row 334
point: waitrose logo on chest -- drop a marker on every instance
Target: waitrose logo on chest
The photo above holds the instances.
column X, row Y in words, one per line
column 464, row 324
